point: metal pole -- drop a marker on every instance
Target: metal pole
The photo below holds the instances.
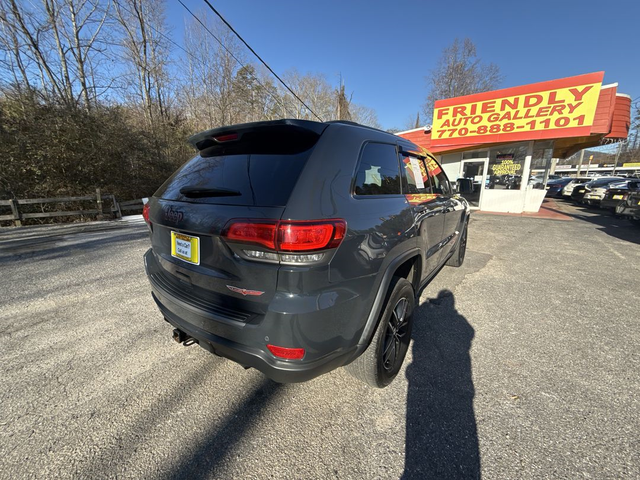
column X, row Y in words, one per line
column 615, row 164
column 580, row 164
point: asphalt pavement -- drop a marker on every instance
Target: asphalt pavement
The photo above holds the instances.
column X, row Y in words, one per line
column 524, row 364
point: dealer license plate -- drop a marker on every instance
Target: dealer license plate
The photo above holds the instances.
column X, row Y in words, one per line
column 617, row 197
column 185, row 247
column 581, row 191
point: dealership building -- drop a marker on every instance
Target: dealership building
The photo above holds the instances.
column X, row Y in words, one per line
column 507, row 142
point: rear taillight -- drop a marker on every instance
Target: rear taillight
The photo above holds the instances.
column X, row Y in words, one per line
column 305, row 236
column 286, row 353
column 287, row 241
column 252, row 232
column 145, row 212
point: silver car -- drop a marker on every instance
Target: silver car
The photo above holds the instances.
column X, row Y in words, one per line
column 568, row 189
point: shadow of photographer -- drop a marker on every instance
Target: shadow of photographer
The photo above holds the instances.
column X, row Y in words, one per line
column 441, row 433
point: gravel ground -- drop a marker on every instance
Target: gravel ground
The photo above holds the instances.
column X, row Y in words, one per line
column 524, row 364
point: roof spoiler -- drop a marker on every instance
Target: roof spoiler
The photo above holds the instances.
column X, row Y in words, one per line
column 258, row 132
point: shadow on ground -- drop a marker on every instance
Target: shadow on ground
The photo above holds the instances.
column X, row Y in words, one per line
column 441, row 438
column 206, row 456
column 606, row 221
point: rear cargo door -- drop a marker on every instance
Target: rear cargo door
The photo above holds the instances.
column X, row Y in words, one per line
column 245, row 173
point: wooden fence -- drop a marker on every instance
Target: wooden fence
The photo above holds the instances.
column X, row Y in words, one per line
column 114, row 208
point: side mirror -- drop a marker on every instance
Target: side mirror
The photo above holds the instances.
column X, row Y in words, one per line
column 464, row 185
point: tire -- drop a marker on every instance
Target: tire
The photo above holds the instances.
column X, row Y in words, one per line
column 381, row 361
column 457, row 259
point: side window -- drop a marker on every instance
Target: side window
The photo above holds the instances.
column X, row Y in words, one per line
column 415, row 180
column 378, row 172
column 440, row 182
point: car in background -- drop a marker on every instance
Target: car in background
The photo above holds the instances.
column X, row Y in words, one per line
column 595, row 194
column 568, row 189
column 537, row 181
column 630, row 208
column 617, row 194
column 555, row 186
column 593, row 191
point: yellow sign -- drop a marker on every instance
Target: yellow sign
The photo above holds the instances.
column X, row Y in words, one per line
column 520, row 113
column 632, row 164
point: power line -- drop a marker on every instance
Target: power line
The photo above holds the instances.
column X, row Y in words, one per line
column 278, row 100
column 257, row 56
column 169, row 39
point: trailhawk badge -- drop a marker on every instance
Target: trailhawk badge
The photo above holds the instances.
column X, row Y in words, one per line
column 244, row 291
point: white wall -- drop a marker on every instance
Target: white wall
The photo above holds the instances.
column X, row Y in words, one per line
column 451, row 165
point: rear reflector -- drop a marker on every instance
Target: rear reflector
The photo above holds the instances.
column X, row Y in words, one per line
column 288, row 236
column 286, row 353
column 145, row 212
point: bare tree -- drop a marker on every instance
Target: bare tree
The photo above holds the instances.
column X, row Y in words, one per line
column 460, row 72
column 364, row 115
column 55, row 41
column 86, row 19
column 147, row 52
column 213, row 66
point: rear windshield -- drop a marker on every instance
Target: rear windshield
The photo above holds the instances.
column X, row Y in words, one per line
column 258, row 179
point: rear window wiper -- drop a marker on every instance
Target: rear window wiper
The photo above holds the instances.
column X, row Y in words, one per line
column 200, row 192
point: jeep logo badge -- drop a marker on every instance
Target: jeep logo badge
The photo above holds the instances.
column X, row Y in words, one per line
column 172, row 215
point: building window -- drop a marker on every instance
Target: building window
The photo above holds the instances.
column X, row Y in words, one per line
column 378, row 172
column 506, row 166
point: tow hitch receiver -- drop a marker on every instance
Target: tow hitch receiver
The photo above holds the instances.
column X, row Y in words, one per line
column 181, row 337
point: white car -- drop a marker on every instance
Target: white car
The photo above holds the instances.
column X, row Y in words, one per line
column 595, row 195
column 568, row 189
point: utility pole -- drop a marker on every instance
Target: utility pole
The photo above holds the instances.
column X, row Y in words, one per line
column 615, row 164
column 589, row 165
column 580, row 164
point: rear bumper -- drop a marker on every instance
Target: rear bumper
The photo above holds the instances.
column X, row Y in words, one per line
column 609, row 203
column 245, row 343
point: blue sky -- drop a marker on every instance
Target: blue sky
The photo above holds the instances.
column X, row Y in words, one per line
column 384, row 49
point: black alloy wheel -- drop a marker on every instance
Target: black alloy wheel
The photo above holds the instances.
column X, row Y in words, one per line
column 395, row 336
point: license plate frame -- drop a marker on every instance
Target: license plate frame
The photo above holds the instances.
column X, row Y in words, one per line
column 185, row 247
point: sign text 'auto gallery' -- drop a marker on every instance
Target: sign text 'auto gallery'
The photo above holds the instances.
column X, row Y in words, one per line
column 529, row 112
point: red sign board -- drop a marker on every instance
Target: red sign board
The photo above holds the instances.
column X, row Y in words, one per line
column 553, row 109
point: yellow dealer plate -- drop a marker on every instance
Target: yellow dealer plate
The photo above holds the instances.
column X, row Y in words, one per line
column 617, row 197
column 185, row 247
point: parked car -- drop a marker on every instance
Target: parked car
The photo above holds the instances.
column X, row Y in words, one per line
column 630, row 208
column 597, row 188
column 537, row 181
column 554, row 187
column 592, row 192
column 618, row 193
column 568, row 189
column 296, row 247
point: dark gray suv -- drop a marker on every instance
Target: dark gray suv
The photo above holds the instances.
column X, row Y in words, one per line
column 297, row 247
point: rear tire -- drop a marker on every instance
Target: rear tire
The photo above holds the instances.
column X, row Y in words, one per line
column 381, row 361
column 457, row 259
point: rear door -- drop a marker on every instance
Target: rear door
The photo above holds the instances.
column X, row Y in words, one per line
column 249, row 174
column 427, row 207
column 452, row 207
